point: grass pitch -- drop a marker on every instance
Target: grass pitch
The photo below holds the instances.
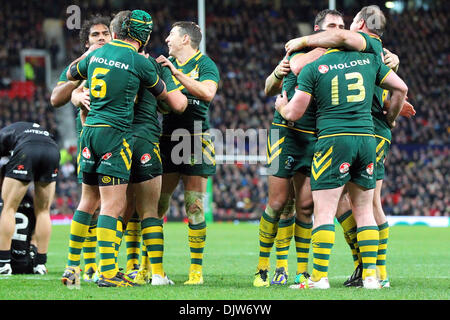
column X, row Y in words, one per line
column 418, row 266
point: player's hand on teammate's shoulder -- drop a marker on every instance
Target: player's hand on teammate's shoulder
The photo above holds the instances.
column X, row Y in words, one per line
column 166, row 63
column 391, row 60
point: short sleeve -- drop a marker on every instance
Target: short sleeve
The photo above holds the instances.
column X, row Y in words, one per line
column 147, row 72
column 305, row 80
column 82, row 66
column 208, row 71
column 63, row 76
column 383, row 72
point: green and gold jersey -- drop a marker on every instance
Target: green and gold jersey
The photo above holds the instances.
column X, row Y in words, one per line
column 200, row 68
column 113, row 74
column 306, row 123
column 62, row 79
column 146, row 124
column 343, row 84
column 381, row 127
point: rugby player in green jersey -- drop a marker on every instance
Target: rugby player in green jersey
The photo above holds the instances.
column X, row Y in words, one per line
column 343, row 84
column 364, row 35
column 199, row 78
column 289, row 160
column 114, row 73
column 146, row 168
column 94, row 33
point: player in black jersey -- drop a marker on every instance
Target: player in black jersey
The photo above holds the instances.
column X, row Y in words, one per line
column 34, row 156
column 23, row 248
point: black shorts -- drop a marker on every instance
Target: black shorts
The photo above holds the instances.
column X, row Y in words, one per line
column 37, row 161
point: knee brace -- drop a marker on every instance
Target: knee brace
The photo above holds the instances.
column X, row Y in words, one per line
column 193, row 202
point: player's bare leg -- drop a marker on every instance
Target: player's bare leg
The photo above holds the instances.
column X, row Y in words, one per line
column 168, row 185
column 194, row 193
column 43, row 198
column 13, row 192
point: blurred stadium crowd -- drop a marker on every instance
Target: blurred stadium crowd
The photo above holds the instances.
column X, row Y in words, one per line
column 246, row 41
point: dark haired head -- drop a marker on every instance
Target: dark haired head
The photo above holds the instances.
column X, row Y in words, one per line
column 320, row 17
column 87, row 25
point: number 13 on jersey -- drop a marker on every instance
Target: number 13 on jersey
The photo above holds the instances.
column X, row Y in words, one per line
column 356, row 86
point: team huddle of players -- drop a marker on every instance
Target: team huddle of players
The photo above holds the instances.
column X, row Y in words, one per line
column 124, row 163
column 334, row 129
column 333, row 126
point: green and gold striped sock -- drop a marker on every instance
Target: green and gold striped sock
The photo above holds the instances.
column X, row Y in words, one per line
column 282, row 241
column 133, row 242
column 302, row 237
column 90, row 247
column 152, row 233
column 383, row 230
column 368, row 246
column 79, row 228
column 119, row 236
column 348, row 224
column 107, row 239
column 197, row 241
column 322, row 238
column 268, row 228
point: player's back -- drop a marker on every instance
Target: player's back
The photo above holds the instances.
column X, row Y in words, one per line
column 343, row 84
column 22, row 132
column 114, row 75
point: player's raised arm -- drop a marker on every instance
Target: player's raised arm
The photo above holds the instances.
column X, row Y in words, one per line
column 274, row 81
column 334, row 38
column 298, row 61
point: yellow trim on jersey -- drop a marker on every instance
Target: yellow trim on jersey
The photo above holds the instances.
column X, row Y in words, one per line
column 183, row 64
column 381, row 137
column 293, row 128
column 199, row 56
column 365, row 41
column 78, row 70
column 59, row 82
column 331, row 50
column 384, row 78
column 157, row 79
column 122, row 44
column 305, row 92
column 347, row 134
column 97, row 125
column 215, row 82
